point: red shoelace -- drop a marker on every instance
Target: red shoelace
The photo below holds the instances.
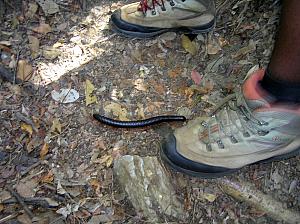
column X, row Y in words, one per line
column 144, row 5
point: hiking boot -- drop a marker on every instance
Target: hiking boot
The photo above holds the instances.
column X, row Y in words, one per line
column 247, row 127
column 149, row 18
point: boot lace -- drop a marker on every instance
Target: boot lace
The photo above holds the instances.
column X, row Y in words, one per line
column 144, row 6
column 231, row 117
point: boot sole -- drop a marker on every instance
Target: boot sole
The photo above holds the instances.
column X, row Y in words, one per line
column 228, row 171
column 183, row 30
column 193, row 173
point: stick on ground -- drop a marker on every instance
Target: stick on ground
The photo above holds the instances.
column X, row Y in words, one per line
column 21, row 201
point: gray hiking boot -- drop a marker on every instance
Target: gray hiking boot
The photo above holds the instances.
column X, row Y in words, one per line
column 149, row 18
column 246, row 128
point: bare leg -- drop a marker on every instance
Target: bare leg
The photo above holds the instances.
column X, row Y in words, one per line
column 282, row 79
column 285, row 60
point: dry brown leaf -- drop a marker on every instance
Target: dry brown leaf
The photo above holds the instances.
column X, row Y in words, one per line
column 48, row 178
column 175, row 72
column 161, row 62
column 209, row 85
column 105, row 160
column 206, row 88
column 150, row 108
column 139, row 84
column 43, row 28
column 245, row 50
column 57, row 45
column 50, row 53
column 95, row 184
column 196, row 77
column 4, row 195
column 256, row 212
column 44, row 151
column 189, row 92
column 153, row 107
column 209, row 197
column 140, row 111
column 89, row 89
column 24, row 219
column 137, row 54
column 223, row 42
column 32, row 9
column 189, row 45
column 34, row 45
column 27, row 189
column 97, row 147
column 25, row 70
column 213, row 46
column 99, row 144
column 117, row 110
column 229, row 86
column 33, row 143
column 56, row 126
column 159, row 88
column 27, row 128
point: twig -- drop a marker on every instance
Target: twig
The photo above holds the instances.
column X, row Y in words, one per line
column 241, row 16
column 246, row 192
column 62, row 101
column 30, row 201
column 9, row 217
column 112, row 191
column 103, row 39
column 222, row 6
column 21, row 202
column 16, row 68
column 24, row 172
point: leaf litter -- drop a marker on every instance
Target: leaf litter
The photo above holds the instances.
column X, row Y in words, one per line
column 59, row 150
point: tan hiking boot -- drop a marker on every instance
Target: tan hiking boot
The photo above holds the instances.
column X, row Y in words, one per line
column 246, row 128
column 149, row 18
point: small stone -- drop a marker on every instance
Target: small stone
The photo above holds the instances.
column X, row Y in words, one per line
column 168, row 36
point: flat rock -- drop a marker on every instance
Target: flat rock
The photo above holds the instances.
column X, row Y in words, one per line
column 148, row 186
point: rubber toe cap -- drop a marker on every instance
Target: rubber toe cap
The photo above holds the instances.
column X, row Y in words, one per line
column 182, row 164
column 121, row 24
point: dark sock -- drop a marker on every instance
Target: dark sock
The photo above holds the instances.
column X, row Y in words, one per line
column 281, row 90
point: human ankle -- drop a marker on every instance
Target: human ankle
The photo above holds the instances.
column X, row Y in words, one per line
column 282, row 90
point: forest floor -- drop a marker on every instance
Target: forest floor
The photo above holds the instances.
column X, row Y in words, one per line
column 52, row 148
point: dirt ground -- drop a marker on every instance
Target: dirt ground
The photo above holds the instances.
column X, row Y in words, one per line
column 55, row 150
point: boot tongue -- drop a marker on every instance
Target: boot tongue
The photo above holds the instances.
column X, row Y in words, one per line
column 254, row 95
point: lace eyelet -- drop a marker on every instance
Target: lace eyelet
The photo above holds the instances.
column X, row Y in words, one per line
column 172, row 3
column 204, row 124
column 262, row 133
column 246, row 134
column 208, row 147
column 220, row 144
column 233, row 139
column 264, row 123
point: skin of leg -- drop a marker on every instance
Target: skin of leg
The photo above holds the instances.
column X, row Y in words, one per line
column 285, row 61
